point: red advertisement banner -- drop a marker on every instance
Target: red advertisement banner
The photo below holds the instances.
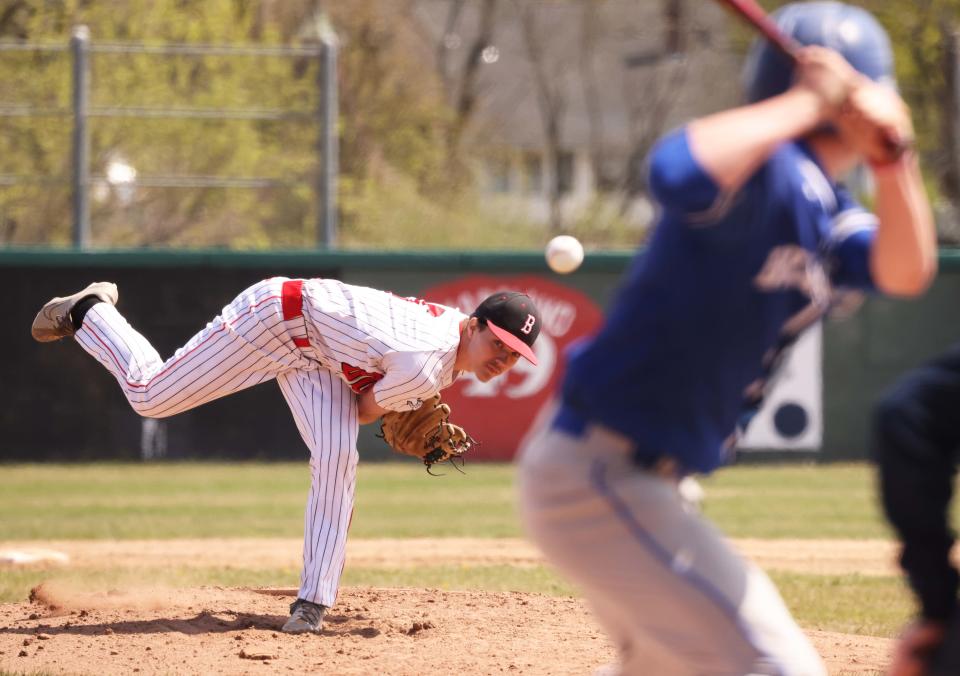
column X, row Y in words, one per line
column 499, row 413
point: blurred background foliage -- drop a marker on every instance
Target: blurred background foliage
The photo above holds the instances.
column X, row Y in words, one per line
column 409, row 177
column 392, row 122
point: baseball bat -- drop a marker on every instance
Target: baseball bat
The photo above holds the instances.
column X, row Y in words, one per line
column 755, row 16
column 758, row 18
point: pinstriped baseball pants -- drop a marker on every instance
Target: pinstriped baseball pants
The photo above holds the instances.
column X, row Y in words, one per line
column 258, row 337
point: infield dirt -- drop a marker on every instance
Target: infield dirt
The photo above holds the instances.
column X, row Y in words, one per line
column 828, row 557
column 387, row 631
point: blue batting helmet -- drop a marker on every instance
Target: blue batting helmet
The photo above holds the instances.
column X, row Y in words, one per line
column 852, row 31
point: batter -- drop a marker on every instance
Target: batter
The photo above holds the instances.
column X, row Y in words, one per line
column 756, row 241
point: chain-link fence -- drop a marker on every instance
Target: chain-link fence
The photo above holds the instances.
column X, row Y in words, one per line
column 111, row 84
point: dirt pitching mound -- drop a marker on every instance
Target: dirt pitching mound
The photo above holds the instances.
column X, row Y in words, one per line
column 387, row 631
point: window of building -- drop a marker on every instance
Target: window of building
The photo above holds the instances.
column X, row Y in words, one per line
column 498, row 174
column 564, row 172
column 532, row 173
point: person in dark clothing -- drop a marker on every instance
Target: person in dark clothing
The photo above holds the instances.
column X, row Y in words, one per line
column 916, row 444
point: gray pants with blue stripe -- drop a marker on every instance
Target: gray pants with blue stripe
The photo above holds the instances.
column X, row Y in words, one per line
column 672, row 594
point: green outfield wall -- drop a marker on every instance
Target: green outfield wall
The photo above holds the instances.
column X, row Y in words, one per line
column 58, row 404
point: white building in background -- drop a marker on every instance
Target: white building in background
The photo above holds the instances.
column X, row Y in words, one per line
column 517, row 182
column 618, row 77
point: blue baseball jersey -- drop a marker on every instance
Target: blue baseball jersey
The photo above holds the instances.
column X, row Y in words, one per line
column 706, row 311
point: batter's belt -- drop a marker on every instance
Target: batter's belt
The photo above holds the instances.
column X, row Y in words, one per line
column 572, row 422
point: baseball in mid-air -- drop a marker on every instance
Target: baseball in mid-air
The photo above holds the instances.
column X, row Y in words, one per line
column 564, row 254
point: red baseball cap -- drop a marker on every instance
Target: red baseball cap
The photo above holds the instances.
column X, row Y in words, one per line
column 513, row 317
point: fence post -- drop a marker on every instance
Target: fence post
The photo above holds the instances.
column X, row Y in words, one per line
column 952, row 108
column 328, row 143
column 80, row 50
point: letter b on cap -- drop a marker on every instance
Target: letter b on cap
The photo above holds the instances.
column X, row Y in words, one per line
column 528, row 325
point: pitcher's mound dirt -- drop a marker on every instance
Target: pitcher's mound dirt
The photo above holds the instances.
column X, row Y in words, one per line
column 369, row 631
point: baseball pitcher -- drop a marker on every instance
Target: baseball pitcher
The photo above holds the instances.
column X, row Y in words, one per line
column 343, row 356
column 756, row 241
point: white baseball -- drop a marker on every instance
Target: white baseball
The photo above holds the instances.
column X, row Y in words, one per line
column 564, row 254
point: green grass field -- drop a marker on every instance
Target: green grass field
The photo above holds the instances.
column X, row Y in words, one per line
column 190, row 500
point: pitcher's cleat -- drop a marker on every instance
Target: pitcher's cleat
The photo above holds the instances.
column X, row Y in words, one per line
column 305, row 617
column 53, row 322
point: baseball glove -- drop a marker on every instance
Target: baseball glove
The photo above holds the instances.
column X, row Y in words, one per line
column 426, row 433
column 928, row 648
column 945, row 659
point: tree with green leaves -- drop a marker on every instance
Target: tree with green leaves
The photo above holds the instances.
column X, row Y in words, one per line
column 393, row 120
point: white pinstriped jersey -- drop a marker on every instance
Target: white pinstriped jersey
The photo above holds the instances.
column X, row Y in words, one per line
column 323, row 341
column 403, row 347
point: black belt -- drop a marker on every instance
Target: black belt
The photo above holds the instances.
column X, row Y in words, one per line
column 575, row 424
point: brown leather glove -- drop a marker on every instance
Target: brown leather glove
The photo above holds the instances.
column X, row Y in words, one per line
column 426, row 433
